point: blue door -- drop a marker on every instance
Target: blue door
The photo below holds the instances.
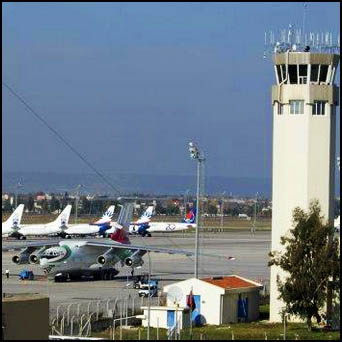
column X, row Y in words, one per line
column 170, row 318
column 243, row 308
column 196, row 314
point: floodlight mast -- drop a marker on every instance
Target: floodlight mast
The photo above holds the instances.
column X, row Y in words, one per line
column 195, row 153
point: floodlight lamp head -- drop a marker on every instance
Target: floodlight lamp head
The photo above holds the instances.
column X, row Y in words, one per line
column 194, row 152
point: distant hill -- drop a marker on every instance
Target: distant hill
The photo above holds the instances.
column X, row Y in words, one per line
column 134, row 183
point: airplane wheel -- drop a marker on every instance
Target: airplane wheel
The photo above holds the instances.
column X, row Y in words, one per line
column 149, row 235
column 22, row 237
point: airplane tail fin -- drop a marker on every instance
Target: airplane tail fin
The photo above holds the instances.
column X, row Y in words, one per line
column 122, row 224
column 15, row 218
column 63, row 219
column 146, row 216
column 190, row 217
column 107, row 216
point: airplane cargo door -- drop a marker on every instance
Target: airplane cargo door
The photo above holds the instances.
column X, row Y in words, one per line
column 170, row 318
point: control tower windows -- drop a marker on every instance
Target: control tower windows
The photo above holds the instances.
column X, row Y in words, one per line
column 293, row 74
column 318, row 108
column 314, row 73
column 279, row 74
column 303, row 74
column 323, row 73
column 297, row 107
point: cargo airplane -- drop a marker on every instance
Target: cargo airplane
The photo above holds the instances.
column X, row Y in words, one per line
column 67, row 260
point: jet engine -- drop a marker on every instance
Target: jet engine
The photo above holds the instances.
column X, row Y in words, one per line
column 106, row 258
column 35, row 257
column 135, row 259
column 22, row 258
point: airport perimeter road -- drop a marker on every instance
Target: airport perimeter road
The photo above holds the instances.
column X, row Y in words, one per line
column 250, row 252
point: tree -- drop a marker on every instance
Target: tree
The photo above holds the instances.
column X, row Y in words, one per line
column 30, row 203
column 212, row 209
column 54, row 204
column 160, row 209
column 310, row 258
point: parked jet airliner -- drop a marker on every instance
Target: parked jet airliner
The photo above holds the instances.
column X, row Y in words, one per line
column 144, row 219
column 146, row 228
column 99, row 227
column 62, row 260
column 52, row 228
column 12, row 223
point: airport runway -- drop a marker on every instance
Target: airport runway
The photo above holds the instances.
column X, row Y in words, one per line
column 251, row 254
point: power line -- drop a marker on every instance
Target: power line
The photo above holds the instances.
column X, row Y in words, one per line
column 60, row 137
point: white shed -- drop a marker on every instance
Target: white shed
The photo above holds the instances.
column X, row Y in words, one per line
column 218, row 300
column 166, row 317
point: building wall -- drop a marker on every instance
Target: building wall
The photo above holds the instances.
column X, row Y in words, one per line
column 158, row 317
column 210, row 298
column 230, row 306
column 25, row 318
column 303, row 164
column 217, row 305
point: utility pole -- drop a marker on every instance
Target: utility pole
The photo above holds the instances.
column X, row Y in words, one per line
column 255, row 213
column 222, row 205
column 76, row 201
column 18, row 186
column 196, row 154
column 149, row 297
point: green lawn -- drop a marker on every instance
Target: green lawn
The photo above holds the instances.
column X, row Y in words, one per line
column 241, row 331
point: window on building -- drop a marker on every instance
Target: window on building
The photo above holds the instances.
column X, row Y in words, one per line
column 318, row 108
column 303, row 74
column 297, row 107
column 323, row 73
column 314, row 73
column 293, row 73
column 283, row 71
column 279, row 74
column 280, row 108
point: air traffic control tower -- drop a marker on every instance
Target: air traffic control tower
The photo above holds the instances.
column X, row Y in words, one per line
column 304, row 101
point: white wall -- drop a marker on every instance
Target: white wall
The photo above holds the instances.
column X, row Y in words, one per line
column 303, row 167
column 210, row 298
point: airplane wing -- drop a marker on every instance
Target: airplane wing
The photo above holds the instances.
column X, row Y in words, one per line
column 111, row 244
column 37, row 244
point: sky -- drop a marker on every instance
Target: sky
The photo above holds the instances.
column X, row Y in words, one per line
column 130, row 84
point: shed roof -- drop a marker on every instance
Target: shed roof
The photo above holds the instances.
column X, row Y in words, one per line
column 231, row 282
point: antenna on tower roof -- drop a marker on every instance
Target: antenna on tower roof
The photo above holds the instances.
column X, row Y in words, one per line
column 296, row 40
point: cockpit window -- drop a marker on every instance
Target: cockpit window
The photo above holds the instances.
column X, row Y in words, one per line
column 52, row 253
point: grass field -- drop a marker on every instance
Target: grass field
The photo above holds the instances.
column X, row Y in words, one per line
column 240, row 331
column 207, row 222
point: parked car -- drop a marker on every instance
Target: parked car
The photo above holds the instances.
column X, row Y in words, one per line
column 146, row 291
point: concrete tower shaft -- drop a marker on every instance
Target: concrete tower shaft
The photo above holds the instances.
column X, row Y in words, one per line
column 304, row 104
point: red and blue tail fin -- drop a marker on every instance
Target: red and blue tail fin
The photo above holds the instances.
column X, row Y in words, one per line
column 122, row 225
column 190, row 217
